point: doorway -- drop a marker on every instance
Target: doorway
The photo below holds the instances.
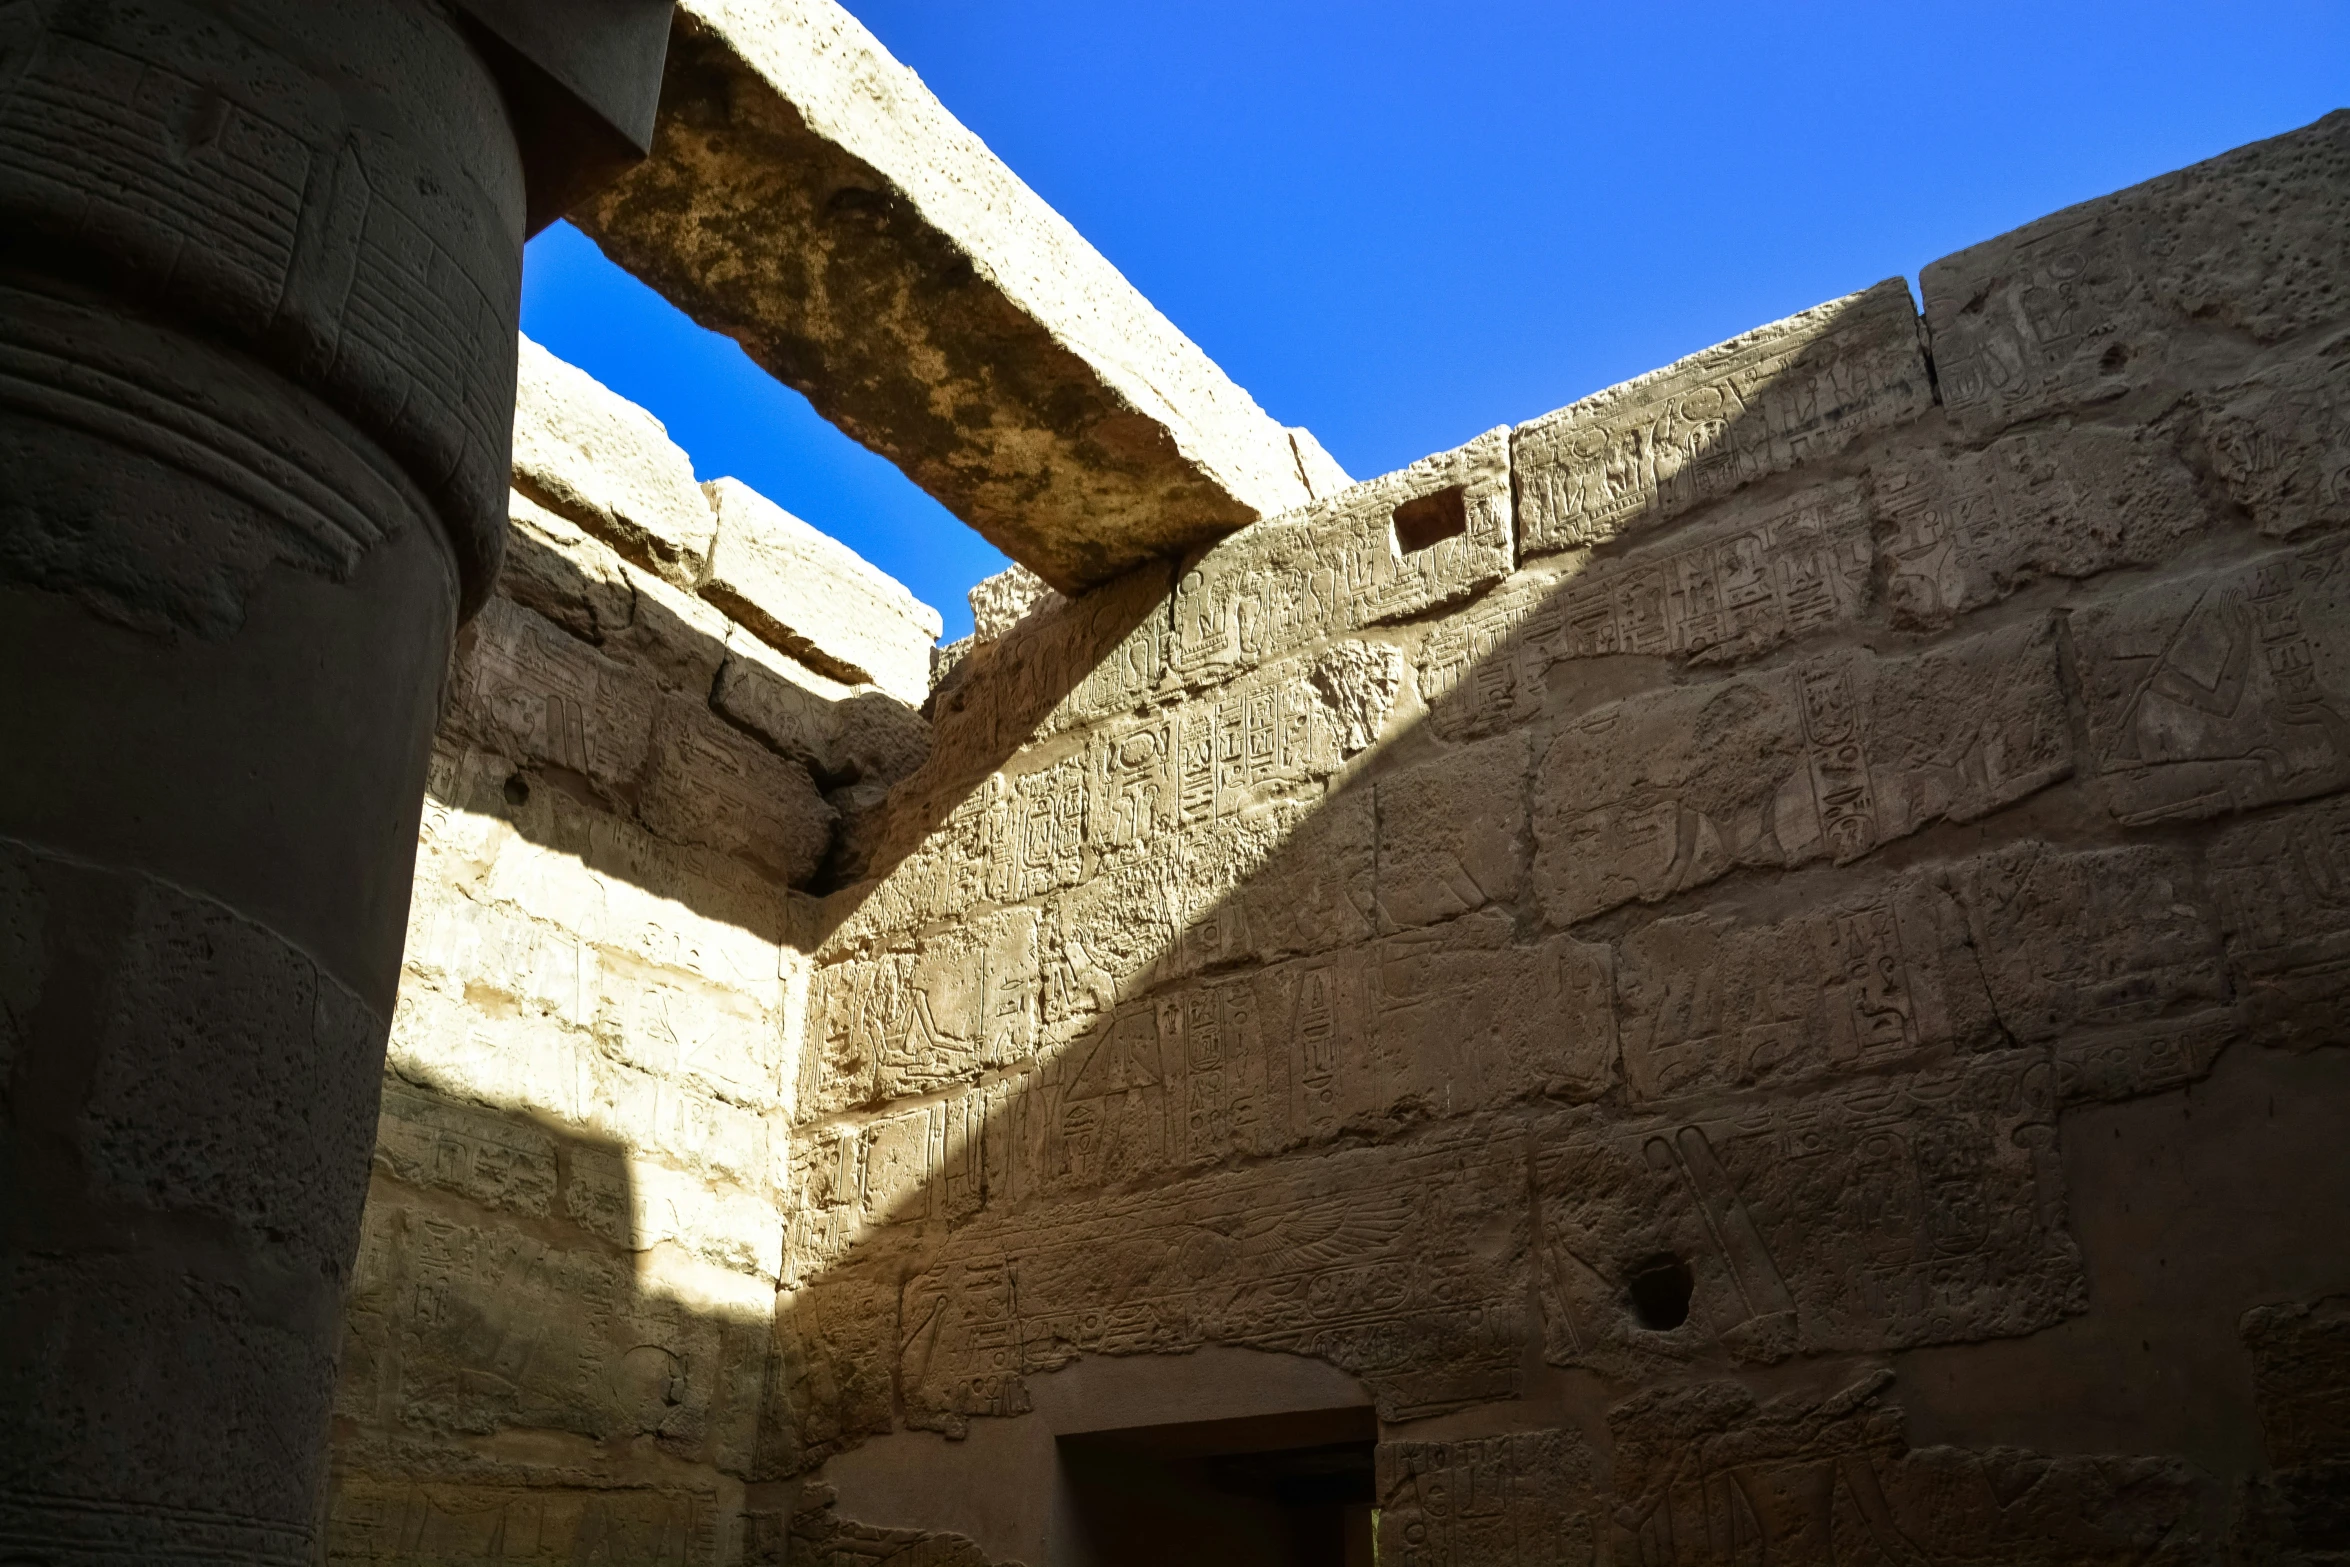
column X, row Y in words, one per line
column 1290, row 1490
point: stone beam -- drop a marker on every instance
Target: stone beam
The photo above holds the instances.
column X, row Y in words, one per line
column 810, row 198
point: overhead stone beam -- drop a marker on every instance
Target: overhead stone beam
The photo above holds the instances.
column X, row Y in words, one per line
column 809, row 197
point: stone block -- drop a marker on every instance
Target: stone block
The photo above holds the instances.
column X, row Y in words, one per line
column 1388, row 549
column 1000, row 602
column 377, row 1519
column 1523, row 1499
column 2111, row 955
column 609, row 466
column 815, row 598
column 2280, row 440
column 1315, row 1258
column 492, row 1159
column 1875, row 1214
column 712, row 785
column 967, row 999
column 679, row 637
column 2117, row 295
column 541, row 697
column 1825, row 760
column 1452, row 833
column 1750, row 577
column 2220, row 691
column 461, row 1329
column 1813, row 1477
column 1721, row 1002
column 638, row 1204
column 1794, row 392
column 2281, row 880
column 1969, row 528
column 787, row 705
column 943, row 314
column 556, row 570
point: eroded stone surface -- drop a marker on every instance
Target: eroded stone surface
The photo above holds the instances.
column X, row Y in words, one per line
column 810, row 198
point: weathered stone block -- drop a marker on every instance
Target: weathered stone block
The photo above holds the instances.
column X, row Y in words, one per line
column 953, row 322
column 1823, row 761
column 1000, row 602
column 1525, row 1499
column 1388, row 549
column 377, row 1521
column 2280, row 439
column 556, row 570
column 1926, row 1208
column 544, row 698
column 609, row 466
column 1452, row 834
column 2221, row 691
column 1712, row 1002
column 1749, row 578
column 711, row 785
column 497, row 1160
column 1711, row 1474
column 1793, row 392
column 815, row 598
column 2104, row 299
column 2112, row 955
column 1969, row 528
column 2281, row 881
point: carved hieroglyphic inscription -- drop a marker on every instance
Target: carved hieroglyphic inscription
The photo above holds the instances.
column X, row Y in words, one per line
column 2281, row 441
column 1528, row 1499
column 2283, row 884
column 1915, row 1209
column 1793, row 392
column 1710, row 1476
column 1822, row 761
column 1762, row 576
column 486, row 1525
column 1968, row 528
column 2222, row 691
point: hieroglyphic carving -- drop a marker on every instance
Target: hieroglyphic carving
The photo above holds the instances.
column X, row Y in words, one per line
column 533, row 693
column 2222, row 691
column 909, row 1022
column 1969, row 528
column 814, row 1532
column 1402, row 1265
column 2283, row 883
column 1825, row 760
column 1711, row 1002
column 1783, row 395
column 1760, row 577
column 460, row 1328
column 1339, row 565
column 1876, row 1214
column 2113, row 955
column 710, row 784
column 2083, row 307
column 395, row 1522
column 1711, row 1476
column 1452, row 834
column 1526, row 1499
column 2281, row 441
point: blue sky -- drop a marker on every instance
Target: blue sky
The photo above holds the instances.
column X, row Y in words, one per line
column 1403, row 223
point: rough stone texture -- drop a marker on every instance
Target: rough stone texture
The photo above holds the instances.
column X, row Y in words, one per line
column 259, row 268
column 999, row 603
column 610, row 466
column 816, row 599
column 1749, row 972
column 808, row 197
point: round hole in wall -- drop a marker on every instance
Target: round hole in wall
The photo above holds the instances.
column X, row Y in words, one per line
column 517, row 789
column 1660, row 1287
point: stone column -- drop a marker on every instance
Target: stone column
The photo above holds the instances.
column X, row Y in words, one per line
column 259, row 271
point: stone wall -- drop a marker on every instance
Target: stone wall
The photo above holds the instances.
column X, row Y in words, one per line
column 1671, row 943
column 556, row 1344
column 1749, row 970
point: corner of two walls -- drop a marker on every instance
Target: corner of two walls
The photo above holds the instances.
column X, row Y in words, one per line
column 1800, row 826
column 556, row 1342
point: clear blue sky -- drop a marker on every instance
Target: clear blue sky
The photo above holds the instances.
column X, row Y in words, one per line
column 1402, row 223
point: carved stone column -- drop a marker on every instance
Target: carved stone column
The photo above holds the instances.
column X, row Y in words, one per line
column 259, row 271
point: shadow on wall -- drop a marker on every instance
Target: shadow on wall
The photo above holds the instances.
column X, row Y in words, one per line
column 1726, row 831
column 1611, row 936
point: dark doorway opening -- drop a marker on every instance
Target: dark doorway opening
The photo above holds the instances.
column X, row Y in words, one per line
column 1290, row 1490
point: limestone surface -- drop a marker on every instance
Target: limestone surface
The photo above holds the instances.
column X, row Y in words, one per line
column 810, row 198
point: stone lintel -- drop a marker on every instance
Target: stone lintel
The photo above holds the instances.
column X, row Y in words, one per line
column 809, row 197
